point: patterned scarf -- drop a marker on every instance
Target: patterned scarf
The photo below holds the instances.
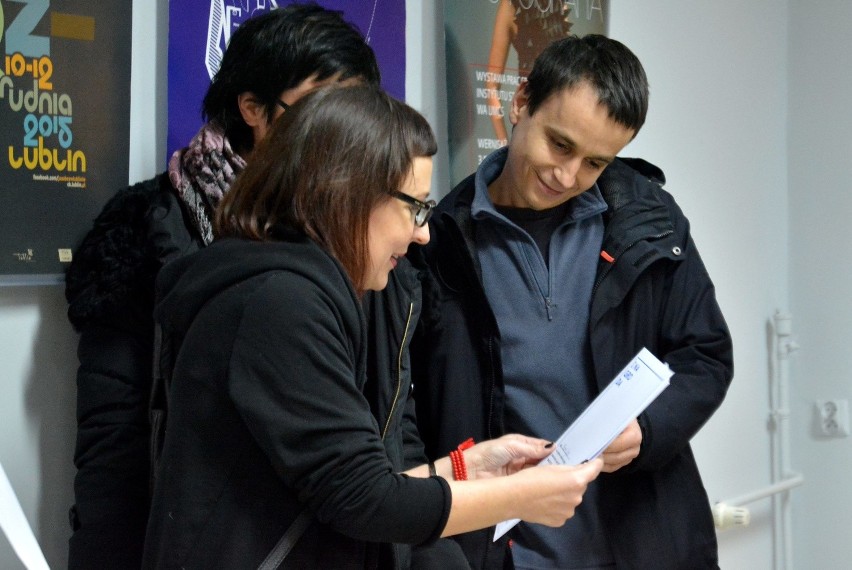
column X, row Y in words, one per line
column 202, row 173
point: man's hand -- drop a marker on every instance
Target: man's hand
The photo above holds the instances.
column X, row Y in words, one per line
column 624, row 449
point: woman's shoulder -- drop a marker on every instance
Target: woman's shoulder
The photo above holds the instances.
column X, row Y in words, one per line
column 297, row 267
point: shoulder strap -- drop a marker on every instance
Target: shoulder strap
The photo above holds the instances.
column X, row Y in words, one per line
column 288, row 541
column 158, row 404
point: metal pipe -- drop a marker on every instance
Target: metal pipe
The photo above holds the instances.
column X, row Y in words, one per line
column 765, row 492
column 783, row 345
column 731, row 512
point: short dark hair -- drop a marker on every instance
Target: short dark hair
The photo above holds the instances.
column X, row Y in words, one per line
column 278, row 50
column 609, row 66
column 323, row 167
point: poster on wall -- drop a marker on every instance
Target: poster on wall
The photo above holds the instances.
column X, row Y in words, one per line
column 491, row 46
column 64, row 128
column 199, row 30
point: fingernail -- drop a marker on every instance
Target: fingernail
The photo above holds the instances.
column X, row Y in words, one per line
column 549, row 445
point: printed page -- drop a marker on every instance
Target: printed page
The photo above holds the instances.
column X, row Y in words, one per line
column 622, row 400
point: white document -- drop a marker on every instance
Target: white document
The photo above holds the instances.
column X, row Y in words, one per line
column 17, row 528
column 624, row 399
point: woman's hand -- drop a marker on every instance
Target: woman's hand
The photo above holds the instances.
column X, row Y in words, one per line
column 505, row 455
column 549, row 494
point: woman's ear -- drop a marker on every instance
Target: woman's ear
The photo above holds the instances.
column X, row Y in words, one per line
column 252, row 110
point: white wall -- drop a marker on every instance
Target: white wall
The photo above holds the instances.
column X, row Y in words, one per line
column 742, row 156
column 820, row 175
column 37, row 357
column 717, row 126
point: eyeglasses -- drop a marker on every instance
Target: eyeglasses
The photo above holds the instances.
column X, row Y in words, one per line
column 283, row 105
column 422, row 210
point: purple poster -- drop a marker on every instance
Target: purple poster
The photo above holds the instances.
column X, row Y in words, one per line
column 199, row 31
column 64, row 127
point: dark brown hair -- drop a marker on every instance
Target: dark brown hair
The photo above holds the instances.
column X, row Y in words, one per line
column 608, row 65
column 278, row 50
column 324, row 166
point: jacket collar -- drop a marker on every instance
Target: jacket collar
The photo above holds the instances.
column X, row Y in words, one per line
column 624, row 186
column 635, row 211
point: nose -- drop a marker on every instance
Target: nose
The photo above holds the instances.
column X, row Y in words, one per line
column 421, row 234
column 566, row 172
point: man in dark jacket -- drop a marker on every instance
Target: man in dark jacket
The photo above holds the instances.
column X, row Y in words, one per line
column 547, row 271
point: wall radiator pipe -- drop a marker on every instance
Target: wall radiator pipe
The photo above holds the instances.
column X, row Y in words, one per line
column 784, row 346
column 732, row 512
column 780, row 487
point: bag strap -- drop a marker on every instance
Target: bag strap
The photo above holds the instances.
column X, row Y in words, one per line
column 158, row 402
column 288, row 541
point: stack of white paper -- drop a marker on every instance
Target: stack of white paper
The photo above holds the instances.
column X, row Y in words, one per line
column 624, row 399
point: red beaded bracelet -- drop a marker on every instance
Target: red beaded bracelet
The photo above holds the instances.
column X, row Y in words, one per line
column 457, row 459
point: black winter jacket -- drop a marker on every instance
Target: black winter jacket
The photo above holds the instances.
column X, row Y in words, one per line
column 110, row 291
column 268, row 415
column 656, row 293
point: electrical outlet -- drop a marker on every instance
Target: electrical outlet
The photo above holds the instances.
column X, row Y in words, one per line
column 833, row 417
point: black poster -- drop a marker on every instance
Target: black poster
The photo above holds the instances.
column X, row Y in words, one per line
column 64, row 127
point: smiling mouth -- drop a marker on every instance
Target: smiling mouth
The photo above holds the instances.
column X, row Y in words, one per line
column 549, row 190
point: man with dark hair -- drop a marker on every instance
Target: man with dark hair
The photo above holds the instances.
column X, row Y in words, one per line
column 548, row 270
column 279, row 56
column 271, row 61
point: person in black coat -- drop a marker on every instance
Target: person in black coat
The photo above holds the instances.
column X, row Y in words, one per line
column 547, row 272
column 271, row 60
column 269, row 421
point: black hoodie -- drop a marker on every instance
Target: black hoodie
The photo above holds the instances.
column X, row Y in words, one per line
column 268, row 416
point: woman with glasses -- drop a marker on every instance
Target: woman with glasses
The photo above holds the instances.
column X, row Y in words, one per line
column 273, row 436
column 275, row 56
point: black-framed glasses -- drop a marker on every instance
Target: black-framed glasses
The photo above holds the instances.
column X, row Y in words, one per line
column 422, row 210
column 283, row 105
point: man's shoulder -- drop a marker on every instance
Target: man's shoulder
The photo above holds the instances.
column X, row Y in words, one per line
column 625, row 170
column 462, row 193
column 452, row 211
column 132, row 203
column 115, row 257
column 628, row 180
column 641, row 167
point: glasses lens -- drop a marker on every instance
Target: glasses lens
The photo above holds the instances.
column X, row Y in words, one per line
column 422, row 210
column 423, row 213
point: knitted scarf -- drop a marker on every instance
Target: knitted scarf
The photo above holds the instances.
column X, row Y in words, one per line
column 202, row 173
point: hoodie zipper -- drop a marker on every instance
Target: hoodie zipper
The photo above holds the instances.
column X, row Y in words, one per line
column 399, row 370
